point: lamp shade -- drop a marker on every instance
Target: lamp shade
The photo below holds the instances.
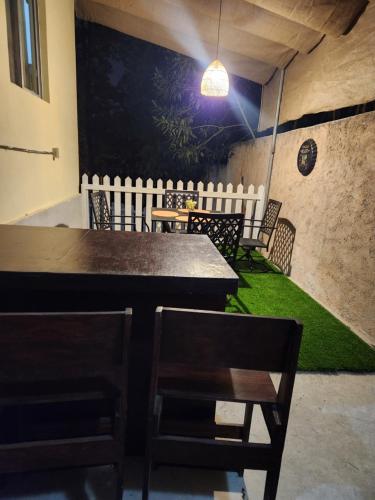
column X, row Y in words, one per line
column 215, row 80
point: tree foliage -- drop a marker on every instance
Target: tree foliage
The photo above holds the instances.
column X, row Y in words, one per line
column 197, row 129
column 140, row 111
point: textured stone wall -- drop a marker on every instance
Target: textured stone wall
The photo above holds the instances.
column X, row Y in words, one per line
column 249, row 160
column 333, row 210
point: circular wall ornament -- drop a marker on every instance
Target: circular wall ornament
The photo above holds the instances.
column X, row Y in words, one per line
column 307, row 156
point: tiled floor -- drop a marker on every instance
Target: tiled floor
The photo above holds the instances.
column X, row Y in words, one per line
column 329, row 455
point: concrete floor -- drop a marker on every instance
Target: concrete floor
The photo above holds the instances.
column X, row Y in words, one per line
column 329, row 454
column 330, row 446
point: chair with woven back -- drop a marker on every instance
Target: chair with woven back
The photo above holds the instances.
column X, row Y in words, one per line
column 224, row 230
column 57, row 369
column 176, row 198
column 105, row 220
column 213, row 356
column 282, row 246
column 259, row 232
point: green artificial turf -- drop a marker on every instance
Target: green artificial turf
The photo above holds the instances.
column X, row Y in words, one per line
column 327, row 344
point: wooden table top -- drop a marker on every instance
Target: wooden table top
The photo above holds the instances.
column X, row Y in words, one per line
column 157, row 261
column 172, row 214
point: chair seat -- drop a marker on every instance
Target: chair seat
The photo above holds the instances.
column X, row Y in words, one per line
column 223, row 384
column 253, row 243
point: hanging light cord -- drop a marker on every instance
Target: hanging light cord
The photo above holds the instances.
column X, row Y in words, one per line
column 218, row 31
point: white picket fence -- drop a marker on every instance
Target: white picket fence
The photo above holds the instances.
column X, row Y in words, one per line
column 137, row 198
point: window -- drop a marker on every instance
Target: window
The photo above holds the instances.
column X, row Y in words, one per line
column 25, row 47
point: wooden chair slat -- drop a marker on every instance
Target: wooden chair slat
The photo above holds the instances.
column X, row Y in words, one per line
column 48, row 454
column 32, row 341
column 230, row 384
column 215, row 340
column 201, row 429
column 208, row 453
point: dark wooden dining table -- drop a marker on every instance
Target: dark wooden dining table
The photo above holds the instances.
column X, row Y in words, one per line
column 63, row 269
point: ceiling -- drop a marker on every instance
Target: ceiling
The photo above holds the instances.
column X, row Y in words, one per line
column 256, row 36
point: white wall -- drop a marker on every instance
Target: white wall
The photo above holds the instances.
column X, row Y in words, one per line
column 68, row 212
column 29, row 182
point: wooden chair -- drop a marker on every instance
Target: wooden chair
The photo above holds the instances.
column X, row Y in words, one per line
column 55, row 364
column 211, row 356
column 103, row 218
column 265, row 228
column 282, row 247
column 224, row 230
column 175, row 198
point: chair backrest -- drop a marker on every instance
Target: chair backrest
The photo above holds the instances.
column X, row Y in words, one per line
column 269, row 220
column 52, row 346
column 282, row 248
column 175, row 198
column 100, row 210
column 224, row 230
column 213, row 339
column 210, row 340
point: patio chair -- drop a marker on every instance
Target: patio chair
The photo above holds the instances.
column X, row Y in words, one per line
column 224, row 230
column 282, row 247
column 265, row 228
column 57, row 369
column 103, row 218
column 211, row 356
column 175, row 198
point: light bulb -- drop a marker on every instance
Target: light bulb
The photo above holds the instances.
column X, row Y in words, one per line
column 215, row 80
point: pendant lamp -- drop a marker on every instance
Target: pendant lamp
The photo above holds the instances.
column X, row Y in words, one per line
column 215, row 80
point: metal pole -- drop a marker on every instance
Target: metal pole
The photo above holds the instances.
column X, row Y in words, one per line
column 274, row 135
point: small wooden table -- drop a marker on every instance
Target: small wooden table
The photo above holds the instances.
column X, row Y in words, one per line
column 58, row 269
column 171, row 215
